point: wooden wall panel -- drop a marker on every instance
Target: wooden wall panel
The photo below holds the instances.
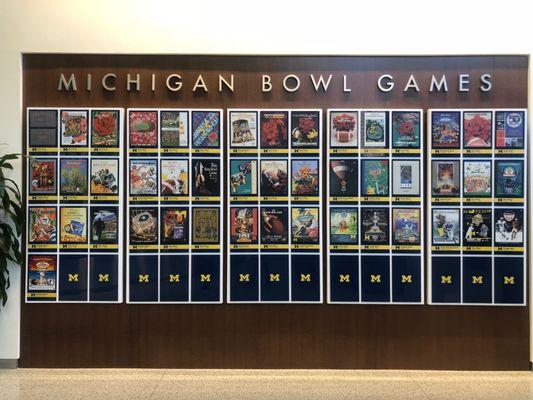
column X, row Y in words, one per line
column 275, row 336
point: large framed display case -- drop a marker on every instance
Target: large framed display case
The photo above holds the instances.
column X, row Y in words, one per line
column 375, row 193
column 274, row 205
column 174, row 205
column 477, row 202
column 74, row 205
column 213, row 208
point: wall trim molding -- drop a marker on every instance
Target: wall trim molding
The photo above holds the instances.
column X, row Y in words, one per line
column 9, row 364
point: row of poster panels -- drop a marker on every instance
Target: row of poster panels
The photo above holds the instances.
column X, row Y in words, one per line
column 372, row 177
column 174, row 197
column 274, row 205
column 477, row 206
column 74, row 205
column 375, row 239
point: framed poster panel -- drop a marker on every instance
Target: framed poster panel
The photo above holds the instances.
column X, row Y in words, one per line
column 74, row 202
column 375, row 240
column 477, row 219
column 175, row 227
column 274, row 205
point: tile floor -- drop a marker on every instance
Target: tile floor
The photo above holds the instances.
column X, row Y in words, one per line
column 261, row 384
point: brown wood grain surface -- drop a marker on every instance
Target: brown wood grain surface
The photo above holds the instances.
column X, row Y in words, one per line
column 275, row 335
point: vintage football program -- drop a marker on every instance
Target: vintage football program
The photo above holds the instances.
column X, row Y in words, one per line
column 274, row 225
column 477, row 178
column 509, row 178
column 104, row 225
column 73, row 224
column 446, row 129
column 343, row 224
column 243, row 129
column 445, row 178
column 343, row 129
column 73, row 176
column 305, row 129
column 42, row 225
column 375, row 178
column 143, row 177
column 175, row 177
column 143, row 225
column 477, row 129
column 74, row 126
column 174, row 129
column 43, row 176
column 405, row 129
column 42, row 277
column 143, row 129
column 406, row 178
column 374, row 129
column 446, row 227
column 406, row 226
column 205, row 129
column 274, row 128
column 174, row 226
column 343, row 178
column 206, row 177
column 243, row 177
column 105, row 128
column 205, row 225
column 509, row 227
column 304, row 177
column 274, row 178
column 510, row 129
column 104, row 176
column 243, row 225
column 305, row 225
column 375, row 226
column 477, row 227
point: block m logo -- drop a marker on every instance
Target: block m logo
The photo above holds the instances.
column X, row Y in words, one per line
column 144, row 278
column 344, row 278
column 73, row 277
column 508, row 280
column 244, row 277
column 205, row 277
column 103, row 277
column 305, row 277
column 375, row 278
column 407, row 279
column 477, row 280
column 446, row 279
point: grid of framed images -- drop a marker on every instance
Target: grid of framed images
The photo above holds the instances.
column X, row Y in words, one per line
column 375, row 243
column 477, row 217
column 274, row 205
column 174, row 205
column 477, row 184
column 74, row 172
